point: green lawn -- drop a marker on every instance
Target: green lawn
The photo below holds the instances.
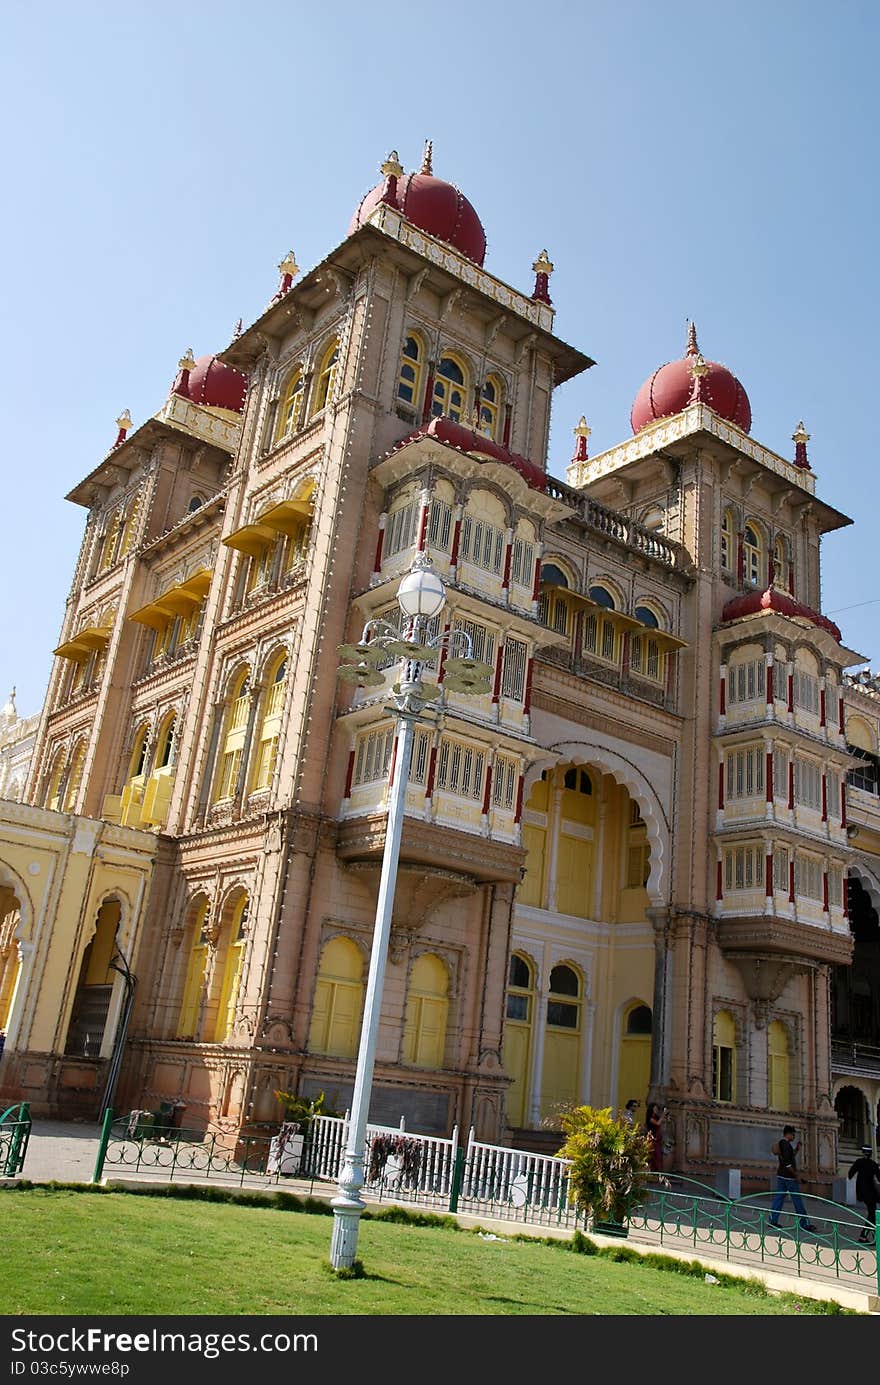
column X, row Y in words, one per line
column 77, row 1253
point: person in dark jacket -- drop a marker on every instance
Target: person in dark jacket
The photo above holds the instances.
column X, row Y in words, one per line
column 865, row 1170
column 787, row 1180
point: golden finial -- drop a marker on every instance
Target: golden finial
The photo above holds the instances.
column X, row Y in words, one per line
column 692, row 347
column 187, row 360
column 800, row 434
column 543, row 264
column 392, row 167
column 289, row 265
column 582, row 430
column 428, row 158
column 123, row 422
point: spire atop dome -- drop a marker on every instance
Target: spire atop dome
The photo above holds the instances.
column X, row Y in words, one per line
column 692, row 346
column 800, row 437
column 428, row 202
column 690, row 380
column 123, row 423
column 428, row 158
column 582, row 433
column 543, row 267
column 699, row 369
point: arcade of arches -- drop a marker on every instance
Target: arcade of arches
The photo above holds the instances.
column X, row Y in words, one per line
column 855, row 1028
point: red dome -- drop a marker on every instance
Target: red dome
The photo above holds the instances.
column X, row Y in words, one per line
column 671, row 388
column 434, row 206
column 214, row 384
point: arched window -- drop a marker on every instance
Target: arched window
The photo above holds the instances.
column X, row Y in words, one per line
column 234, row 732
column 290, row 408
column 778, row 1068
column 639, row 1020
column 196, row 954
column 490, row 406
column 600, row 632
column 634, row 1065
column 410, row 378
column 754, row 564
column 230, row 953
column 52, row 795
column 196, row 503
column 647, row 617
column 339, row 998
column 451, row 390
column 270, row 727
column 728, row 542
column 554, row 608
column 646, row 655
column 325, row 377
column 138, row 757
column 723, row 1056
column 165, row 741
column 74, row 777
column 561, row 1077
column 782, row 564
column 518, row 1035
column 427, row 1007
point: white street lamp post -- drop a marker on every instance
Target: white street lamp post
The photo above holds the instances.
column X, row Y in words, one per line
column 421, row 596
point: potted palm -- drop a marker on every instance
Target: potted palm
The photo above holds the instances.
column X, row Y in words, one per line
column 286, row 1148
column 608, row 1161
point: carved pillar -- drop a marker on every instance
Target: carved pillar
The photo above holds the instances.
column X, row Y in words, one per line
column 539, row 1029
column 662, row 922
column 554, row 823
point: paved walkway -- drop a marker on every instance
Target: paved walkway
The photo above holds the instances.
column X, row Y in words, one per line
column 66, row 1151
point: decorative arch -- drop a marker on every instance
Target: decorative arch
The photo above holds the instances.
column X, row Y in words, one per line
column 338, row 999
column 491, row 404
column 290, row 407
column 452, row 387
column 412, row 363
column 626, row 773
column 10, row 880
column 755, row 552
column 325, row 377
column 427, row 1011
column 868, row 878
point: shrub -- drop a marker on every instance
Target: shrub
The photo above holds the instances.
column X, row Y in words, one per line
column 607, row 1161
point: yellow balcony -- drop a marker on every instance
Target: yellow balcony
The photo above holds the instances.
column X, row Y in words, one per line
column 84, row 643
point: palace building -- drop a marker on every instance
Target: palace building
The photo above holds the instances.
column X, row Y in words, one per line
column 647, row 860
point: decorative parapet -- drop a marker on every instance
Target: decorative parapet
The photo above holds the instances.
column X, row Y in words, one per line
column 697, row 418
column 181, row 413
column 389, row 221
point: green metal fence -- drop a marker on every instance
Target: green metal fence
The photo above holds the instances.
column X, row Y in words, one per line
column 15, row 1131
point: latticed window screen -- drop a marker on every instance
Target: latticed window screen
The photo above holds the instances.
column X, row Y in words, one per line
column 744, row 867
column 781, row 869
column 780, row 774
column 513, row 678
column 460, row 768
column 373, row 755
column 745, row 772
column 522, row 565
column 439, row 525
column 808, row 876
column 482, row 640
column 401, row 528
column 504, row 782
column 808, row 783
column 806, row 692
column 418, row 769
column 746, row 682
column 482, row 543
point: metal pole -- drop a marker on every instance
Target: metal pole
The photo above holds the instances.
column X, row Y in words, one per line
column 348, row 1204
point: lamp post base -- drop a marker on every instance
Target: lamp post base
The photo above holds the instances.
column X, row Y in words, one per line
column 346, row 1223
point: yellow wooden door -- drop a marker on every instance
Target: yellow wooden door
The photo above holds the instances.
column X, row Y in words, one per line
column 531, row 891
column 517, row 1043
column 634, row 1069
column 574, row 876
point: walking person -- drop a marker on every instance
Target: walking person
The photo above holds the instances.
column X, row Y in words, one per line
column 867, row 1175
column 628, row 1114
column 654, row 1128
column 787, row 1179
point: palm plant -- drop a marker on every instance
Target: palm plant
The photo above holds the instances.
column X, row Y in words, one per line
column 608, row 1159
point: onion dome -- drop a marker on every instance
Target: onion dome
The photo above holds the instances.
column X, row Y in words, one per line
column 209, row 382
column 753, row 603
column 433, row 205
column 689, row 381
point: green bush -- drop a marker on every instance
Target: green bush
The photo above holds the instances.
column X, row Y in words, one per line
column 607, row 1161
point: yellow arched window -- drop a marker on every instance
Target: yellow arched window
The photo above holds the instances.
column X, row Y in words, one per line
column 270, row 727
column 411, row 361
column 129, row 521
column 600, row 631
column 290, row 409
column 561, row 1078
column 234, row 732
column 490, row 406
column 138, row 757
column 754, row 563
column 52, row 796
column 165, row 741
column 728, row 541
column 325, row 376
column 427, row 1007
column 723, row 1056
column 230, row 954
column 782, row 564
column 554, row 606
column 339, row 998
column 451, row 390
column 778, row 1067
column 74, row 777
column 111, row 542
column 196, row 953
column 518, row 1035
column 646, row 656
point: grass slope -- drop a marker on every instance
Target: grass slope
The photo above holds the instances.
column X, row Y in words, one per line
column 75, row 1253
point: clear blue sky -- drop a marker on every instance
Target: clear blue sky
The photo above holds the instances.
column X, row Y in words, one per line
column 676, row 160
